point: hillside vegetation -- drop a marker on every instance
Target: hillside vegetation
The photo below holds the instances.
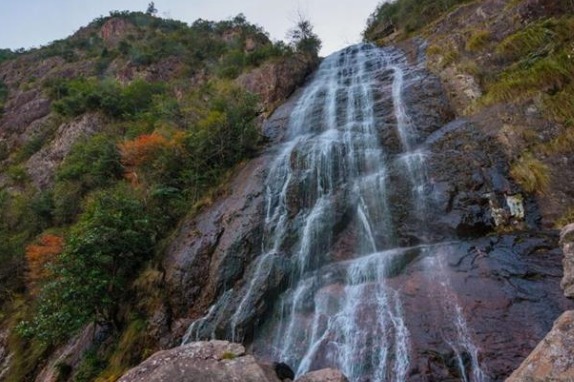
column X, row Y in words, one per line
column 133, row 122
column 509, row 67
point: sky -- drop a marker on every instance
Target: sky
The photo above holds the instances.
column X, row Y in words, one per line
column 33, row 23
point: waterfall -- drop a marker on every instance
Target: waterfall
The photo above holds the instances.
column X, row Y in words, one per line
column 334, row 174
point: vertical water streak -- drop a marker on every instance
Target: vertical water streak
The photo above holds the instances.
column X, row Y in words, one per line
column 333, row 173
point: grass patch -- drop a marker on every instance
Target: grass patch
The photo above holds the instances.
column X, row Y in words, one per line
column 541, row 62
column 564, row 143
column 131, row 349
column 565, row 219
column 531, row 174
column 478, row 40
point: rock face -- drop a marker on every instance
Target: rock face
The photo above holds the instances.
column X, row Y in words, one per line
column 552, row 359
column 211, row 361
column 43, row 164
column 275, row 81
column 323, row 375
column 214, row 250
column 567, row 242
column 216, row 361
column 503, row 288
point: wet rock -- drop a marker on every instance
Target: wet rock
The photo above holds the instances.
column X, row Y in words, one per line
column 552, row 359
column 283, row 371
column 323, row 375
column 505, row 288
column 428, row 107
column 567, row 243
column 201, row 362
column 212, row 250
column 471, row 189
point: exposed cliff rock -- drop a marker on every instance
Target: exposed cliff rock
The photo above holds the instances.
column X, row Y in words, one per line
column 567, row 242
column 215, row 361
column 552, row 359
column 215, row 249
column 43, row 164
column 323, row 375
column 202, row 362
column 68, row 355
column 275, row 81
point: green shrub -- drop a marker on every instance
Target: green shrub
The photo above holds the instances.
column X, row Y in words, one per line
column 407, row 15
column 103, row 252
column 76, row 97
column 3, row 95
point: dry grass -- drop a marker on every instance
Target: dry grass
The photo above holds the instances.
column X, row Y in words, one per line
column 478, row 40
column 565, row 219
column 531, row 174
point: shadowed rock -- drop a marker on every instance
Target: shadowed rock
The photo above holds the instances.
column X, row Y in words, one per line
column 567, row 242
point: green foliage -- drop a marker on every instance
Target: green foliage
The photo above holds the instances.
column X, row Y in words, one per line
column 90, row 367
column 540, row 64
column 130, row 349
column 151, row 9
column 7, row 54
column 3, row 95
column 111, row 240
column 91, row 164
column 26, row 354
column 303, row 39
column 111, row 227
column 79, row 96
column 406, row 15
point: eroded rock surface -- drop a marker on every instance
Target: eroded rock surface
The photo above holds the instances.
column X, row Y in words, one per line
column 552, row 359
column 212, row 361
column 213, row 251
column 43, row 164
column 323, row 375
column 216, row 361
column 275, row 81
column 567, row 242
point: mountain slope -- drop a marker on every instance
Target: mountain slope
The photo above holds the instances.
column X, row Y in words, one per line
column 107, row 139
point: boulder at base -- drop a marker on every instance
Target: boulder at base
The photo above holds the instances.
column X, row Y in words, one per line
column 552, row 359
column 213, row 361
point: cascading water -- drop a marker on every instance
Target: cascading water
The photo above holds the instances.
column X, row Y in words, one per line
column 340, row 308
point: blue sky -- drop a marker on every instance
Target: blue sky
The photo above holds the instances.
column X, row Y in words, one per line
column 32, row 23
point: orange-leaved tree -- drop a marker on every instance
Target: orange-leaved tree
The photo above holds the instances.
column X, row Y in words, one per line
column 38, row 256
column 139, row 153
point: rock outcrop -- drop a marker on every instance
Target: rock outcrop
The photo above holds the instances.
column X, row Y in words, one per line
column 275, row 81
column 43, row 164
column 216, row 361
column 214, row 249
column 202, row 362
column 567, row 242
column 552, row 359
column 323, row 375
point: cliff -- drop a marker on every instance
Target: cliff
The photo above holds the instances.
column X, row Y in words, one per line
column 132, row 121
column 392, row 214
